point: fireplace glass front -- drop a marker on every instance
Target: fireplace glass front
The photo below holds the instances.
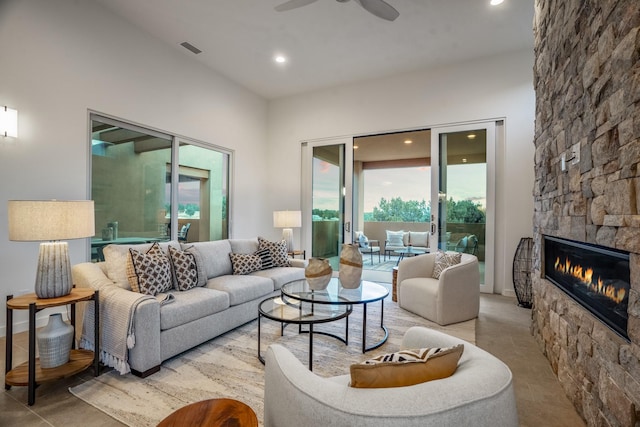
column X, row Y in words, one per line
column 596, row 277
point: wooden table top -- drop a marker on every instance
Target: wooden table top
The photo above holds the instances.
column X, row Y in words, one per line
column 213, row 412
column 77, row 294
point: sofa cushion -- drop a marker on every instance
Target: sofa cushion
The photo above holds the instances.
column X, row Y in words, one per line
column 243, row 246
column 278, row 250
column 115, row 257
column 420, row 239
column 444, row 260
column 152, row 271
column 395, row 238
column 245, row 263
column 266, row 259
column 242, row 288
column 192, row 305
column 281, row 275
column 215, row 255
column 406, row 367
column 187, row 272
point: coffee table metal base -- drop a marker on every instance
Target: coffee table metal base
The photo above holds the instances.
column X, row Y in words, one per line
column 364, row 329
column 310, row 318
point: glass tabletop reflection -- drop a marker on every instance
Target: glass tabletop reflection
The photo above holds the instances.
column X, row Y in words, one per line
column 334, row 293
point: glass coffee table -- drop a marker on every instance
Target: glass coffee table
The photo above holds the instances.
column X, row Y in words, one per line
column 336, row 295
column 291, row 311
column 409, row 251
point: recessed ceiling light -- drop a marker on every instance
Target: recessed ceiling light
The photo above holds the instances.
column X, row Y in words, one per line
column 355, row 147
column 408, row 141
column 471, row 136
column 280, row 59
column 495, row 2
column 464, row 160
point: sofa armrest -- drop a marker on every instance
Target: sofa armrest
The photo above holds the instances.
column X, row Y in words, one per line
column 145, row 355
column 421, row 337
column 90, row 275
column 297, row 262
column 459, row 285
column 416, row 266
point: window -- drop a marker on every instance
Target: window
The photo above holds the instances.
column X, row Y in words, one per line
column 136, row 198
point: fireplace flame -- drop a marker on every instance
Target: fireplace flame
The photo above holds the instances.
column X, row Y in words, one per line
column 585, row 276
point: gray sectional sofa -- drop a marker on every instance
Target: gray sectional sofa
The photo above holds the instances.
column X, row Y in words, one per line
column 158, row 330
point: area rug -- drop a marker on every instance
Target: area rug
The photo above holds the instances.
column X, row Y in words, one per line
column 227, row 366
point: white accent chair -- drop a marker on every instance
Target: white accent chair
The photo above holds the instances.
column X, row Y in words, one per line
column 479, row 393
column 453, row 298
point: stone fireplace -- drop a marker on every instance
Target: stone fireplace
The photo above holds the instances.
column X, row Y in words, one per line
column 587, row 190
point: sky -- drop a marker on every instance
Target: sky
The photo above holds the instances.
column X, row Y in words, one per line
column 465, row 181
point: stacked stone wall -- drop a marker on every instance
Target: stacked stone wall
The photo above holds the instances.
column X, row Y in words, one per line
column 587, row 83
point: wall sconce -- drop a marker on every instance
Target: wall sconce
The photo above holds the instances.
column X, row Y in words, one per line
column 8, row 122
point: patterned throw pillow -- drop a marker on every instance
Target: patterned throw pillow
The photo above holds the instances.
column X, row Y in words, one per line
column 132, row 275
column 444, row 260
column 152, row 271
column 406, row 367
column 186, row 271
column 278, row 250
column 245, row 263
column 265, row 258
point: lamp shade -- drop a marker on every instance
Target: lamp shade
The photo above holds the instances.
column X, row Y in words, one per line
column 41, row 220
column 287, row 219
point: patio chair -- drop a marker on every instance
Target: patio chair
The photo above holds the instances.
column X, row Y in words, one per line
column 184, row 231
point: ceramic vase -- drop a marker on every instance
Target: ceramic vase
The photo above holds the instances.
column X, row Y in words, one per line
column 350, row 266
column 318, row 273
column 54, row 342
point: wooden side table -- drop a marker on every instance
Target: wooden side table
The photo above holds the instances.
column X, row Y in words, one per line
column 394, row 281
column 212, row 413
column 30, row 373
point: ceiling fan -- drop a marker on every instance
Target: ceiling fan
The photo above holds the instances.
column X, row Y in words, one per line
column 379, row 8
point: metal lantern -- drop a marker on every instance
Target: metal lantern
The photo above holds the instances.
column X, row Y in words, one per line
column 522, row 272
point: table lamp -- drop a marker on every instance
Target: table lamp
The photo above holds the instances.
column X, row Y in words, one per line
column 287, row 220
column 51, row 221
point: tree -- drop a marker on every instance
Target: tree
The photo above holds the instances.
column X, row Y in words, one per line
column 400, row 211
column 465, row 211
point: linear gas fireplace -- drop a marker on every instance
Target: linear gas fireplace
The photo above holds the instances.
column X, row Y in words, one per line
column 596, row 277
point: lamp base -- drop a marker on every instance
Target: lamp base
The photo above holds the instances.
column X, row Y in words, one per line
column 53, row 278
column 287, row 236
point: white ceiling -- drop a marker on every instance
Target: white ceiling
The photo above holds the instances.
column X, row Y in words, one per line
column 329, row 43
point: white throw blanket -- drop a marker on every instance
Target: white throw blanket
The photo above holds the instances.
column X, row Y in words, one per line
column 117, row 308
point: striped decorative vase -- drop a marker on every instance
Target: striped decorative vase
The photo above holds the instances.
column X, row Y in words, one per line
column 350, row 273
column 54, row 342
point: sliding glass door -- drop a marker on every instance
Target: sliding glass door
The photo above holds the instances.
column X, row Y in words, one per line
column 327, row 170
column 463, row 180
column 152, row 186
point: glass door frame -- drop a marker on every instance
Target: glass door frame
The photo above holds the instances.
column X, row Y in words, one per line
column 307, row 189
column 490, row 128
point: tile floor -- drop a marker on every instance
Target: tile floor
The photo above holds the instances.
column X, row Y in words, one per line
column 502, row 329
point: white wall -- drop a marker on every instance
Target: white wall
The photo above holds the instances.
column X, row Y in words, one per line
column 61, row 58
column 497, row 87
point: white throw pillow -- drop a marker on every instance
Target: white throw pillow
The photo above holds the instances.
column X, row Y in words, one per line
column 419, row 239
column 363, row 241
column 394, row 238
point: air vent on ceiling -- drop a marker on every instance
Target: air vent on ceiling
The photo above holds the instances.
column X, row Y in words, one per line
column 190, row 47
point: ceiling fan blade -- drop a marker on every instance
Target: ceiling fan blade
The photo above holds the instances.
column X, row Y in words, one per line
column 292, row 4
column 380, row 8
